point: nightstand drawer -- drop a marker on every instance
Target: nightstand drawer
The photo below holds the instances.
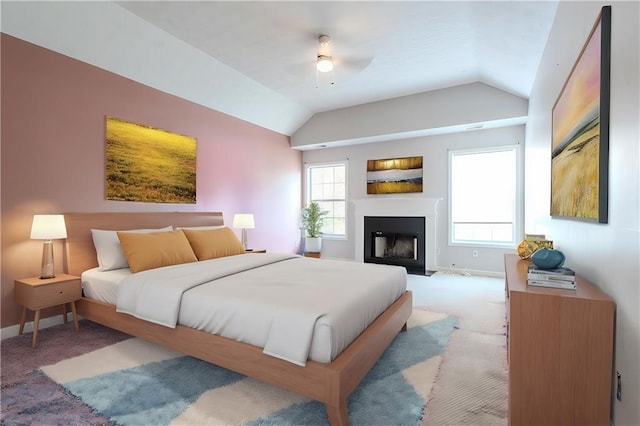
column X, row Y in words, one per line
column 56, row 294
column 42, row 296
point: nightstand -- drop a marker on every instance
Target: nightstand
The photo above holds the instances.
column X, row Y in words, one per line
column 36, row 293
column 256, row 251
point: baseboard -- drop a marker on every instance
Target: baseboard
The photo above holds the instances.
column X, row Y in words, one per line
column 457, row 271
column 337, row 258
column 474, row 272
column 12, row 331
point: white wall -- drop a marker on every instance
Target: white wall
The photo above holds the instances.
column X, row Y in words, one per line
column 607, row 254
column 437, row 112
column 434, row 150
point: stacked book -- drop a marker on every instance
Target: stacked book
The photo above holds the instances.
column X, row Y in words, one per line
column 555, row 278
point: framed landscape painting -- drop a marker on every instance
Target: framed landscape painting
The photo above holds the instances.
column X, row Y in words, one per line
column 394, row 175
column 580, row 131
column 150, row 165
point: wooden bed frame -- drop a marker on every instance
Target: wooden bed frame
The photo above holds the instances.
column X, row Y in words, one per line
column 330, row 384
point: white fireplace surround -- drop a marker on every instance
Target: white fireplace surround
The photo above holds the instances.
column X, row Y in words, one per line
column 387, row 206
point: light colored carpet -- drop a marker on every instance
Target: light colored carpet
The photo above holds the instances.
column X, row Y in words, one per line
column 472, row 385
column 470, row 389
column 136, row 382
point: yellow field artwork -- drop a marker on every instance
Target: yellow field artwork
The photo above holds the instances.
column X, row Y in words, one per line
column 149, row 165
column 580, row 132
column 575, row 177
column 394, row 175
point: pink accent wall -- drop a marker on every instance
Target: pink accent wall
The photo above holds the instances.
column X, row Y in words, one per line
column 53, row 131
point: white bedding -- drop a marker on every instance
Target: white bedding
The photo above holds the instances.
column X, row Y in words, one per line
column 103, row 285
column 293, row 307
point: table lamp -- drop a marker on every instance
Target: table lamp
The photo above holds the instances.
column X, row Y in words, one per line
column 244, row 221
column 48, row 227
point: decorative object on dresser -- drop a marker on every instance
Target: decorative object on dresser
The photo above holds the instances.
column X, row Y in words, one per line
column 554, row 278
column 244, row 221
column 545, row 258
column 48, row 227
column 312, row 220
column 531, row 244
column 35, row 294
column 560, row 351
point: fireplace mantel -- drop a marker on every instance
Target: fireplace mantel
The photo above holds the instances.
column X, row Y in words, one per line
column 388, row 206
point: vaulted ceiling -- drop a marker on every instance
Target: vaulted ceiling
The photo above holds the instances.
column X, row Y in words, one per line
column 256, row 60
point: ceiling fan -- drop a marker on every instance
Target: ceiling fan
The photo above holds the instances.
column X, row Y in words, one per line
column 325, row 62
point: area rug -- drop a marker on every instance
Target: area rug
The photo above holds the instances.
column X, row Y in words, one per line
column 135, row 382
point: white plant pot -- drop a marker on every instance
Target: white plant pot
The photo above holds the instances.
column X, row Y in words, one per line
column 312, row 245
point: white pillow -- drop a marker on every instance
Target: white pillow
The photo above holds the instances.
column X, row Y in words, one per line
column 109, row 250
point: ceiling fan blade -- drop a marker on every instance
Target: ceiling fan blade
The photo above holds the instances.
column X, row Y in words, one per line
column 353, row 63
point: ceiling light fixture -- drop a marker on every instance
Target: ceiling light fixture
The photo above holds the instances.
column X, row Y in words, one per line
column 324, row 61
column 324, row 64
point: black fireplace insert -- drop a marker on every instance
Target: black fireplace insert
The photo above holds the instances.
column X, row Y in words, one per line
column 397, row 240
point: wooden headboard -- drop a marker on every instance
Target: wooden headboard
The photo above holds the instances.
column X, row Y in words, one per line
column 80, row 254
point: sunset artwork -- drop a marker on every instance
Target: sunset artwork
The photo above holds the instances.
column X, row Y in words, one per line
column 394, row 175
column 578, row 174
column 149, row 165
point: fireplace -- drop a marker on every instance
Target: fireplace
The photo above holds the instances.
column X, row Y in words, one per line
column 399, row 207
column 394, row 240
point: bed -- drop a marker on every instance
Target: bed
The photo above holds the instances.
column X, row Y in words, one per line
column 328, row 382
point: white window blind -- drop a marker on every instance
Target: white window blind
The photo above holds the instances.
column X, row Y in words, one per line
column 484, row 196
column 327, row 185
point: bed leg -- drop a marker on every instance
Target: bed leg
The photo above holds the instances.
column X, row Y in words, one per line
column 404, row 327
column 338, row 415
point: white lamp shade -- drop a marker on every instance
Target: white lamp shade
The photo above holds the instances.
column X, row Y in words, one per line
column 244, row 221
column 48, row 227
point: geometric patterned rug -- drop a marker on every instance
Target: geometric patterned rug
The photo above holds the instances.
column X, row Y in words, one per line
column 135, row 382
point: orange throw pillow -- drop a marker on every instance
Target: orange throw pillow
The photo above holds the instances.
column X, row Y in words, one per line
column 155, row 249
column 214, row 243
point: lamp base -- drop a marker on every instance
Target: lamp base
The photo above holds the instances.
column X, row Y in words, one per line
column 47, row 261
column 245, row 240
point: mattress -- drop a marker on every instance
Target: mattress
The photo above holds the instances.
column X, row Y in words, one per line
column 241, row 305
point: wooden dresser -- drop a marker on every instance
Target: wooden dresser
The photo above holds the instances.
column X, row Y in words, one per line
column 560, row 351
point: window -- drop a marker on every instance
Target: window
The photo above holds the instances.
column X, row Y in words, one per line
column 327, row 184
column 484, row 196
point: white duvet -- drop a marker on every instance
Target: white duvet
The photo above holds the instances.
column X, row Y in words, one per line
column 289, row 305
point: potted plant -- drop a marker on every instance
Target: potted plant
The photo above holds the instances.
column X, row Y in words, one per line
column 312, row 218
